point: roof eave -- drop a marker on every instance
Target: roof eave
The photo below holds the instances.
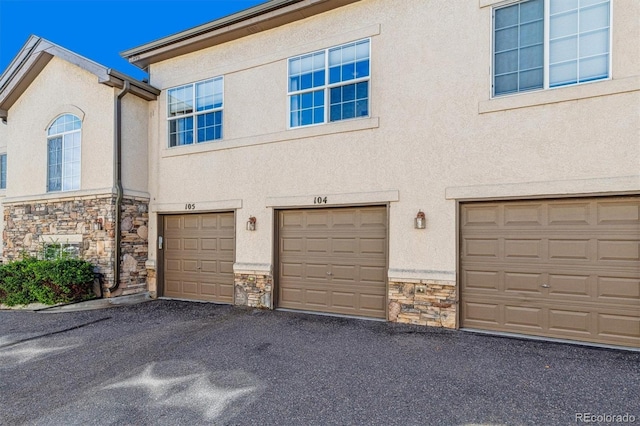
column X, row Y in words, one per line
column 259, row 18
column 37, row 53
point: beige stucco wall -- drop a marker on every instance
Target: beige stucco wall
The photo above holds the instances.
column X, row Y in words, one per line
column 135, row 131
column 434, row 135
column 60, row 88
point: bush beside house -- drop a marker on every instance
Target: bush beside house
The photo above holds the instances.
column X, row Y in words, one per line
column 47, row 281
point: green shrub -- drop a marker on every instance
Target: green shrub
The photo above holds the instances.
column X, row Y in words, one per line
column 59, row 280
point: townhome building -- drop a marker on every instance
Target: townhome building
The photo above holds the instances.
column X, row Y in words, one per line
column 461, row 164
column 73, row 151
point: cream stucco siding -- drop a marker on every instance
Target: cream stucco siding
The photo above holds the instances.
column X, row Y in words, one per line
column 41, row 103
column 135, row 131
column 433, row 127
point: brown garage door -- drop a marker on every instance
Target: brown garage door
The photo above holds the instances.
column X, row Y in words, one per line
column 198, row 256
column 333, row 260
column 557, row 268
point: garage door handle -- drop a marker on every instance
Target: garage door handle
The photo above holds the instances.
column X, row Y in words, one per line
column 329, row 273
column 545, row 286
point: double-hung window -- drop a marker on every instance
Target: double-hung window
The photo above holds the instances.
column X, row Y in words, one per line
column 195, row 112
column 63, row 145
column 539, row 44
column 3, row 171
column 329, row 85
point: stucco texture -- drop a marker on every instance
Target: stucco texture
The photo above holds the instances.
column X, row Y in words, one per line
column 430, row 74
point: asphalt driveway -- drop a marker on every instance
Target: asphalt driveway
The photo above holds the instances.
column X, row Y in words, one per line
column 178, row 363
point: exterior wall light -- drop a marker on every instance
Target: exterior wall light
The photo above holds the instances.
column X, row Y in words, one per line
column 251, row 224
column 420, row 222
column 97, row 225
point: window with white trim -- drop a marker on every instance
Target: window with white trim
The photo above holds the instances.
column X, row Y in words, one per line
column 63, row 146
column 3, row 171
column 540, row 44
column 337, row 77
column 195, row 112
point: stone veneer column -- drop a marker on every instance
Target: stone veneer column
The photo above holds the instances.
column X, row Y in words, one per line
column 135, row 246
column 253, row 288
column 435, row 307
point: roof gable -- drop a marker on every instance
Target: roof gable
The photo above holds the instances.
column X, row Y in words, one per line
column 34, row 57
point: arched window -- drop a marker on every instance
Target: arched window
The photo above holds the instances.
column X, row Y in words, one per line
column 63, row 173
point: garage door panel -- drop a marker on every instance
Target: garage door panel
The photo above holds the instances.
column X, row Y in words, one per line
column 570, row 285
column 523, row 214
column 209, row 266
column 569, row 268
column 523, row 282
column 523, row 317
column 341, row 299
column 199, row 255
column 570, row 321
column 373, row 246
column 291, row 269
column 343, row 219
column 345, row 273
column 189, row 266
column 191, row 222
column 318, row 219
column 570, row 214
column 371, row 274
column 520, row 248
column 316, row 245
column 344, row 246
column 316, row 297
column 620, row 326
column 481, row 280
column 619, row 213
column 189, row 244
column 481, row 216
column 619, row 250
column 189, row 287
column 226, row 267
column 331, row 260
column 567, row 249
column 481, row 312
column 374, row 219
column 315, row 271
column 373, row 302
column 619, row 290
column 227, row 245
column 173, row 244
column 477, row 247
column 209, row 244
column 292, row 245
column 172, row 265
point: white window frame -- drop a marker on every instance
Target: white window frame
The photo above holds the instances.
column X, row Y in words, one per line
column 546, row 51
column 326, row 87
column 195, row 113
column 62, row 160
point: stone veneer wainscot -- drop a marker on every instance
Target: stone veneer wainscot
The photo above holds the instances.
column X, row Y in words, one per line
column 435, row 307
column 30, row 224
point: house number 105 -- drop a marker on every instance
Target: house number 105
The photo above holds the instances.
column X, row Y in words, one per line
column 190, row 206
column 320, row 200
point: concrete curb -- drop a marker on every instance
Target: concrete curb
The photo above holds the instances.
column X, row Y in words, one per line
column 83, row 306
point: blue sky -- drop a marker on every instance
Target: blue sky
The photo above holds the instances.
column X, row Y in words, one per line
column 101, row 29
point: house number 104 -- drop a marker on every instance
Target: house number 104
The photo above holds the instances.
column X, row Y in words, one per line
column 320, row 200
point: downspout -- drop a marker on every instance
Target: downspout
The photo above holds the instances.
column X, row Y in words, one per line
column 118, row 185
